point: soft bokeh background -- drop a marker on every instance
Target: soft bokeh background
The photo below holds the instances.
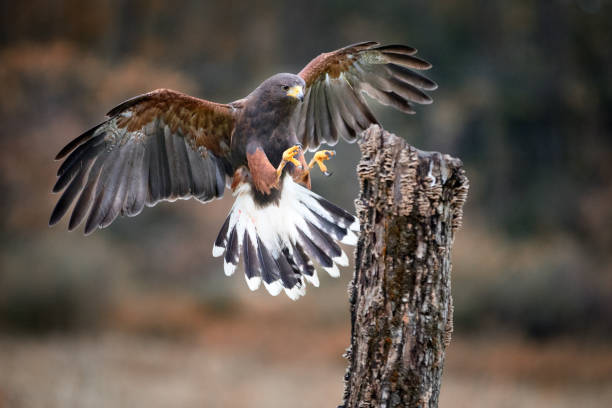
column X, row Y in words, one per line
column 140, row 314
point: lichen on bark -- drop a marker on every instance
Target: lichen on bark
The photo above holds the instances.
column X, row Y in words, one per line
column 410, row 205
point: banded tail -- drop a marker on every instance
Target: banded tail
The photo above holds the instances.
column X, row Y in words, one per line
column 279, row 240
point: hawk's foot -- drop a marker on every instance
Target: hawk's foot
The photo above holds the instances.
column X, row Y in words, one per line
column 319, row 158
column 289, row 157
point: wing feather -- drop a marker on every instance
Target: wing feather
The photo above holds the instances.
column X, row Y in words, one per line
column 336, row 117
column 84, row 202
column 67, row 197
column 136, row 191
column 336, row 80
column 106, row 190
column 77, row 161
column 327, row 129
column 159, row 146
column 310, row 129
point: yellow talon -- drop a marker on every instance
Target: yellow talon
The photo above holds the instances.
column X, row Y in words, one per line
column 289, row 157
column 319, row 158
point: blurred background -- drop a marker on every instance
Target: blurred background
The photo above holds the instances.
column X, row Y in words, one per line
column 140, row 314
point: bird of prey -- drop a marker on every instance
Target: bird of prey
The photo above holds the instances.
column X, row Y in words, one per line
column 166, row 145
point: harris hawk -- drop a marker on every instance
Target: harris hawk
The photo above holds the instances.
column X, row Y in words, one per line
column 166, row 145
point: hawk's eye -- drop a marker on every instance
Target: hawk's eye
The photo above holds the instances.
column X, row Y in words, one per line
column 285, row 87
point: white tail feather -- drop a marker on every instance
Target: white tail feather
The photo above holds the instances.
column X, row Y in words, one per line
column 254, row 282
column 229, row 268
column 283, row 236
column 314, row 279
column 274, row 288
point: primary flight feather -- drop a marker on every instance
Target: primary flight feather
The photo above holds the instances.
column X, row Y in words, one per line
column 166, row 145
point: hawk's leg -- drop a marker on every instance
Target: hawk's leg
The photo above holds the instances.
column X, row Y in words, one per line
column 319, row 158
column 289, row 157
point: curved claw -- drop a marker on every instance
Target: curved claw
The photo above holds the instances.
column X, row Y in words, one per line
column 328, row 173
column 319, row 158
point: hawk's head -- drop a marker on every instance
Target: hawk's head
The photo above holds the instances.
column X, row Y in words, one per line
column 282, row 89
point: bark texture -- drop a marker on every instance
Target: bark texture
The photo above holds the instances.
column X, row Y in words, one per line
column 410, row 205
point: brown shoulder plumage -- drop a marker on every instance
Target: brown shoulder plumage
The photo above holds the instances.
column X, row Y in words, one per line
column 331, row 63
column 205, row 123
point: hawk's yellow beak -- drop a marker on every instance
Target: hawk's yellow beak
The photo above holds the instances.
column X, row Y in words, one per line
column 297, row 92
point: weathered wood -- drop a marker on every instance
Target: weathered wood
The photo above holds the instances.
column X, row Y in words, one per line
column 410, row 205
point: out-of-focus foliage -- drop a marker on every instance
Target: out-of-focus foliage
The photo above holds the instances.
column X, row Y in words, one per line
column 525, row 99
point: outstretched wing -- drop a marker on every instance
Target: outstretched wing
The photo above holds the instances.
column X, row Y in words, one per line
column 162, row 145
column 334, row 104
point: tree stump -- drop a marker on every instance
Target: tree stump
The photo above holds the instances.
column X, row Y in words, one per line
column 409, row 207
